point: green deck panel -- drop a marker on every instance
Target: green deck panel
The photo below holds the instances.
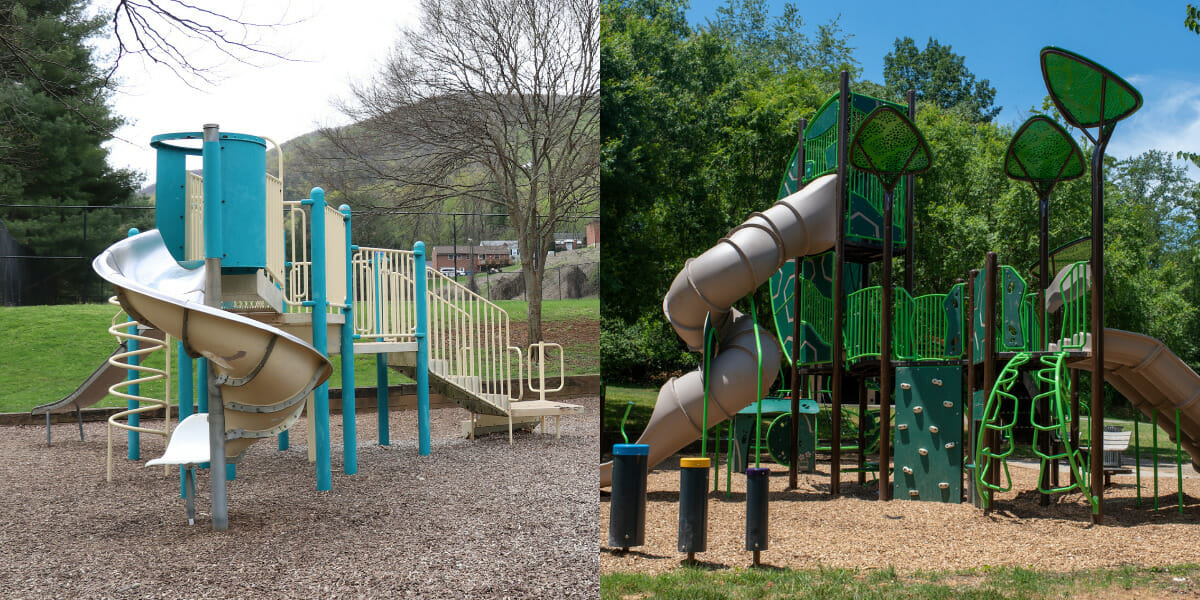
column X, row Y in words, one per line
column 1012, row 295
column 937, row 392
column 779, row 435
column 1086, row 93
column 864, row 207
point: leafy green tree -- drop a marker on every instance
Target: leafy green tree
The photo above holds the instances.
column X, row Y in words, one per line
column 53, row 119
column 780, row 43
column 939, row 77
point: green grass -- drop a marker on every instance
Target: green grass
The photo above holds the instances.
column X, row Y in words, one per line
column 618, row 397
column 982, row 583
column 49, row 350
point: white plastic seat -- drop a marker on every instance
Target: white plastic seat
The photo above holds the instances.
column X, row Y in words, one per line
column 188, row 444
column 188, row 447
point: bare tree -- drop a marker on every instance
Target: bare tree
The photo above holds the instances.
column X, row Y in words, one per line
column 494, row 101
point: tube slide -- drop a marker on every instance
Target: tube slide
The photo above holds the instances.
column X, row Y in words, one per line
column 264, row 372
column 802, row 224
column 1155, row 380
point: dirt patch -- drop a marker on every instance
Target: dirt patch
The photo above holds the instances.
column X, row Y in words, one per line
column 809, row 529
column 476, row 519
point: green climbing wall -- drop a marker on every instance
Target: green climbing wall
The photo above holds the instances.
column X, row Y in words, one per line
column 928, row 435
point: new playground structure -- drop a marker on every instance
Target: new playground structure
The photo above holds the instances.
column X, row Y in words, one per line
column 257, row 292
column 960, row 377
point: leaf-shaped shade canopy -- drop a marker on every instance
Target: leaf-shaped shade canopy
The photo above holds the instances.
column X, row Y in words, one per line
column 1086, row 93
column 888, row 145
column 1043, row 153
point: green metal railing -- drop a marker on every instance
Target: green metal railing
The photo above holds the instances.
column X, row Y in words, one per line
column 1076, row 313
column 1030, row 325
column 994, row 428
column 930, row 326
column 861, row 334
column 816, row 310
column 1054, row 378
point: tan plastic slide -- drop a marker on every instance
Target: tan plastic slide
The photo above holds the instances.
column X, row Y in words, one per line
column 265, row 373
column 1155, row 380
column 800, row 225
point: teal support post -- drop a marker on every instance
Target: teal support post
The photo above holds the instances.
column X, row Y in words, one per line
column 283, row 440
column 202, row 392
column 381, row 397
column 187, row 387
column 349, row 416
column 422, row 329
column 381, row 373
column 319, row 305
column 135, row 439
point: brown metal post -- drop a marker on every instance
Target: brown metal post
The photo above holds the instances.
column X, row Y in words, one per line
column 862, row 432
column 885, row 350
column 839, row 294
column 969, row 341
column 989, row 353
column 1097, row 412
column 910, row 190
column 794, row 434
column 1043, row 407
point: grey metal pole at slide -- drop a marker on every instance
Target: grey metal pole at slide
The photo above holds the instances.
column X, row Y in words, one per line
column 212, row 297
column 794, row 430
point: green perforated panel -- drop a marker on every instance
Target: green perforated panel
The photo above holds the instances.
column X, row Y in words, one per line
column 1086, row 94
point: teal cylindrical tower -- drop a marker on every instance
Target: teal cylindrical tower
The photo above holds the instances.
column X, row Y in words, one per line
column 242, row 185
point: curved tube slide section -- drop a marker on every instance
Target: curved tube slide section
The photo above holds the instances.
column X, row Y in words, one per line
column 1155, row 380
column 264, row 372
column 802, row 224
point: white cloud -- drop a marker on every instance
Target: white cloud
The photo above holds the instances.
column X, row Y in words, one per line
column 333, row 45
column 1169, row 120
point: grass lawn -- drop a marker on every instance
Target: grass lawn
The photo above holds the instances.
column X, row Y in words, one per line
column 835, row 584
column 49, row 350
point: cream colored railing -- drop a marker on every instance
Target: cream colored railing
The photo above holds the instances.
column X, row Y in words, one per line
column 275, row 231
column 193, row 217
column 470, row 343
column 385, row 294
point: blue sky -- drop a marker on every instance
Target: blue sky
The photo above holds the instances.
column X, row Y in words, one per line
column 1144, row 42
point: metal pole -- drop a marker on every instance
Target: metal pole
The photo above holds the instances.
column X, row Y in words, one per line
column 213, row 250
column 1043, row 407
column 794, row 432
column 381, row 372
column 969, row 347
column 320, row 304
column 989, row 355
column 885, row 350
column 1097, row 412
column 422, row 328
column 186, row 389
column 349, row 414
column 910, row 190
column 839, row 276
column 454, row 226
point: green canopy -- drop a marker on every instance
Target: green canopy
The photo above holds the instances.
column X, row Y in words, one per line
column 889, row 145
column 1043, row 153
column 1087, row 94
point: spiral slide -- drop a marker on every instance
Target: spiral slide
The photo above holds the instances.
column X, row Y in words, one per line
column 264, row 372
column 801, row 224
column 1155, row 380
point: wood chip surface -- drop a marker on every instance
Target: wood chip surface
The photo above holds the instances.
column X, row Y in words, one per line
column 808, row 528
column 478, row 519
